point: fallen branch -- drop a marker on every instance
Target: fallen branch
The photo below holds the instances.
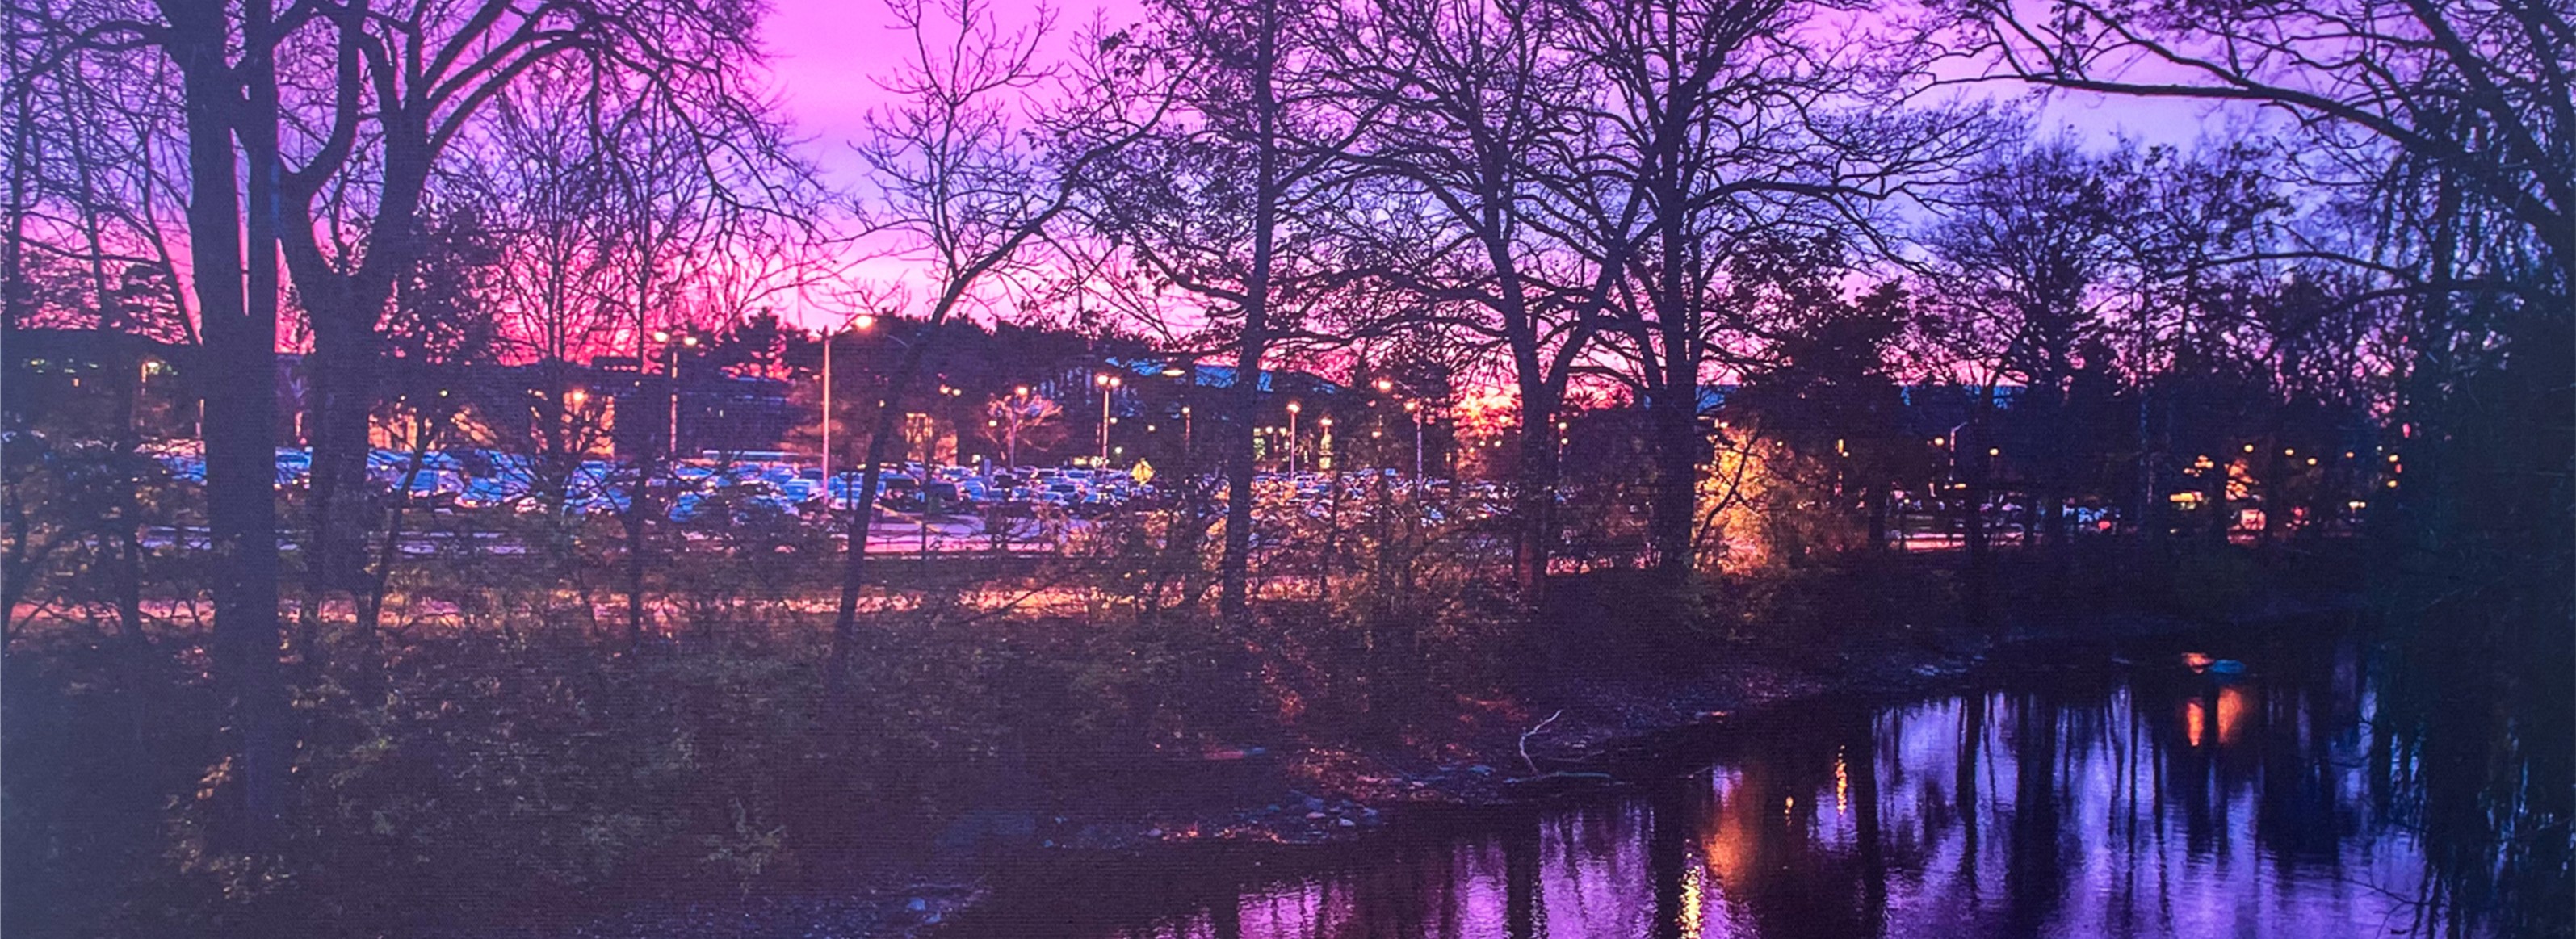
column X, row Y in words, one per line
column 1532, row 732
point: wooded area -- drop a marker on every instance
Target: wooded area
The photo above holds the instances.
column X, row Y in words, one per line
column 1685, row 278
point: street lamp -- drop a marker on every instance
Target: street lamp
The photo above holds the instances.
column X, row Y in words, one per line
column 861, row 323
column 1108, row 385
column 1324, row 444
column 1413, row 409
column 1293, row 408
column 671, row 375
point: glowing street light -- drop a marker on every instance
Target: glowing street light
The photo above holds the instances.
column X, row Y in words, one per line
column 1293, row 408
column 1108, row 384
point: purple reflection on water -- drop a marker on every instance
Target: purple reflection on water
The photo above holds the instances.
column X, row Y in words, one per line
column 2172, row 805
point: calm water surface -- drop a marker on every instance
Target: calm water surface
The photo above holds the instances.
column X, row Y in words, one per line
column 2158, row 802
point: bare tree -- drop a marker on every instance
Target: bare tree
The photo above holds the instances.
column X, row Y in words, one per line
column 1018, row 416
column 2026, row 264
column 1471, row 131
column 1737, row 124
column 225, row 55
column 2453, row 120
column 967, row 186
column 2472, row 92
column 1217, row 202
column 394, row 88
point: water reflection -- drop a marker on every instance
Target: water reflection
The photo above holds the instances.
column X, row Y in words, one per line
column 2173, row 804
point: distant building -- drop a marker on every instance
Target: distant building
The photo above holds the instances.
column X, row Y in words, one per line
column 84, row 378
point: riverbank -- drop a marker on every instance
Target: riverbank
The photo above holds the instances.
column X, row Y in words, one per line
column 1611, row 702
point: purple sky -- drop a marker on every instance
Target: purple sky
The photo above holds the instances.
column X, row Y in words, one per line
column 823, row 53
column 826, row 56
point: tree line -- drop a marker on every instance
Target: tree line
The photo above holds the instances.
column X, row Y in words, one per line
column 1589, row 205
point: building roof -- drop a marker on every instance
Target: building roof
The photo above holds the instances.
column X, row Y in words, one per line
column 1223, row 376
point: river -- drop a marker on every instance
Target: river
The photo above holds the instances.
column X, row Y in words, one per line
column 2150, row 799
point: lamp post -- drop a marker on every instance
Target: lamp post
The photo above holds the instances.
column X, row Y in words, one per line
column 1174, row 369
column 1019, row 413
column 1107, row 384
column 930, row 443
column 1414, row 409
column 1293, row 408
column 671, row 374
column 860, row 323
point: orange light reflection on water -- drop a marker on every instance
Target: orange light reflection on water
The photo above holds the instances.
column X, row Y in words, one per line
column 2231, row 714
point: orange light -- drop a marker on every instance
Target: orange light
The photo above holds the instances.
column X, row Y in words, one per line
column 2191, row 722
column 2231, row 714
column 865, row 321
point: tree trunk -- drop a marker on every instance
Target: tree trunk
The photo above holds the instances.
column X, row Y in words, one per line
column 1234, row 597
column 845, row 621
column 335, row 425
column 639, row 505
column 1972, row 514
column 343, row 304
column 1673, row 427
column 1873, row 496
column 1535, row 497
column 240, row 331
